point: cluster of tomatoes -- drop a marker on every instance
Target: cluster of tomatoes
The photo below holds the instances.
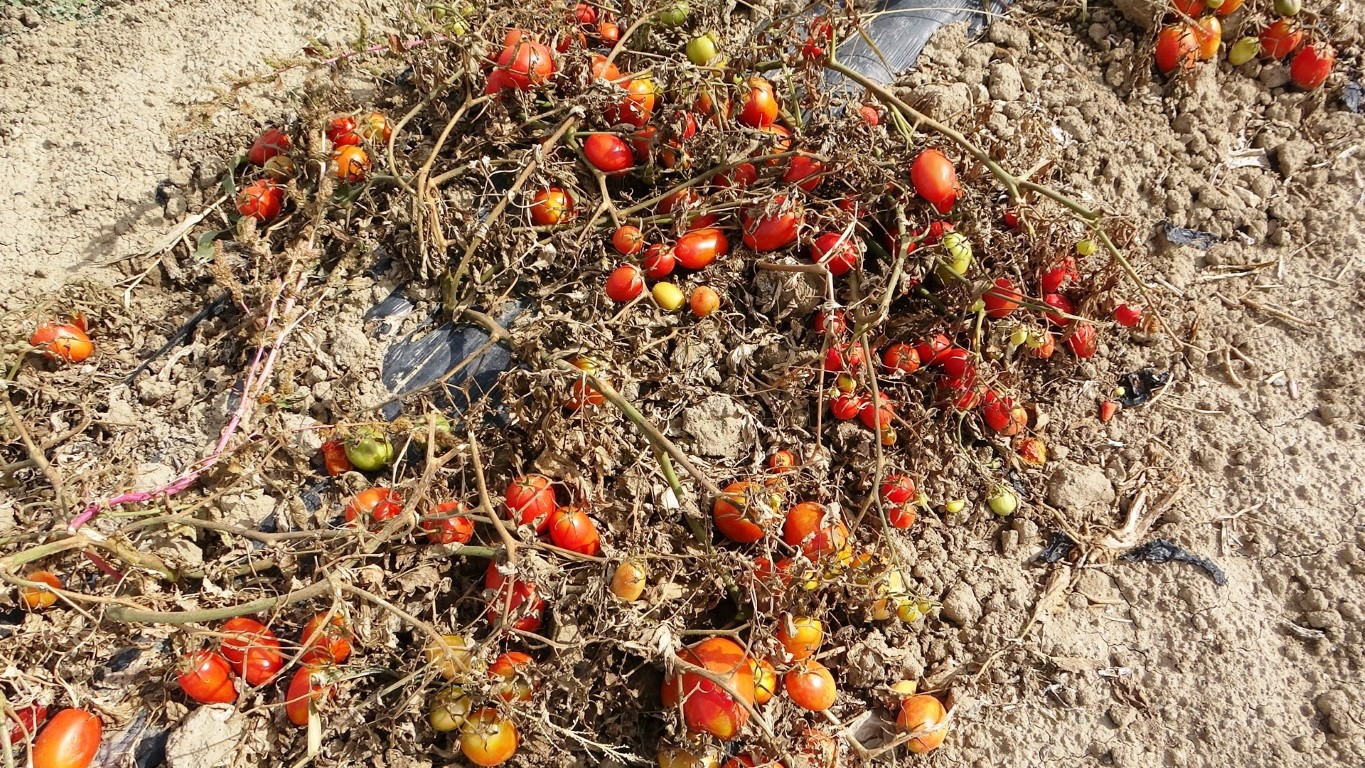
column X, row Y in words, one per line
column 1190, row 38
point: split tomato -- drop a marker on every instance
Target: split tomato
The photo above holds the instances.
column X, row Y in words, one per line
column 1001, row 299
column 1280, row 38
column 334, row 458
column 328, row 643
column 69, row 740
column 935, row 179
column 206, row 677
column 270, row 143
column 744, row 511
column 700, row 247
column 550, row 206
column 1312, row 65
column 251, row 649
column 811, row 686
column 448, row 525
column 531, row 500
column 759, row 108
column 572, row 529
column 624, row 283
column 608, row 153
column 1176, row 46
column 839, row 254
column 782, row 461
column 706, row 706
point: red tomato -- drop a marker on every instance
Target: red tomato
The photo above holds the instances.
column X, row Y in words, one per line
column 759, row 108
column 1176, row 46
column 838, row 254
column 334, row 458
column 487, row 738
column 707, row 707
column 902, row 516
column 627, row 240
column 1279, row 39
column 624, row 283
column 304, row 688
column 1011, row 218
column 846, row 406
column 811, row 686
column 329, row 644
column 1002, row 414
column 351, row 164
column 740, row 177
column 341, row 132
column 764, row 231
column 1312, row 65
column 448, row 525
column 922, row 712
column 815, row 530
column 870, row 114
column 897, row 489
column 572, row 529
column 831, row 322
column 703, row 301
column 531, row 500
column 585, row 14
column 608, row 153
column 744, row 511
column 901, row 357
column 1001, row 299
column 1059, row 276
column 700, row 247
column 935, row 179
column 379, row 503
column 821, row 37
column 1083, row 341
column 26, row 721
column 516, row 670
column 609, row 31
column 956, row 364
column 638, row 105
column 659, row 261
column 251, row 649
column 271, row 142
column 69, row 740
column 550, row 206
column 931, row 352
column 522, row 64
column 844, row 357
column 878, row 417
column 520, row 598
column 1063, row 306
column 260, row 200
column 781, row 141
column 206, row 677
column 805, row 172
column 1127, row 316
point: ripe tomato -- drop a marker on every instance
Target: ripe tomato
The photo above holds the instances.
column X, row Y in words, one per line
column 608, row 153
column 1056, row 278
column 659, row 261
column 251, row 649
column 782, row 461
column 706, row 707
column 703, row 301
column 932, row 352
column 935, row 179
column 700, row 247
column 1208, row 32
column 878, row 416
column 744, row 511
column 37, row 598
column 811, row 686
column 206, row 677
column 805, row 172
column 608, row 31
column 523, row 604
column 870, row 114
column 638, row 105
column 846, row 356
column 1280, row 38
column 550, row 206
column 325, row 644
column 846, row 406
column 270, row 143
column 627, row 240
column 1063, row 306
column 530, row 500
column 1004, row 416
column 304, row 689
column 918, row 713
column 624, row 283
column 1001, row 299
column 334, row 458
column 765, row 681
column 800, row 636
column 897, row 489
column 765, row 231
column 628, row 580
column 759, row 108
column 379, row 503
column 62, row 341
column 1083, row 341
column 1044, row 347
column 832, row 322
column 572, row 529
column 69, row 740
column 815, row 530
column 1127, row 316
column 517, row 672
column 523, row 64
column 1227, row 8
column 837, row 253
column 26, row 721
column 901, row 357
column 351, row 164
column 604, row 70
column 901, row 516
column 1176, row 46
column 1312, row 65
column 341, row 132
column 740, row 177
column 451, row 657
column 448, row 525
column 487, row 738
column 780, row 140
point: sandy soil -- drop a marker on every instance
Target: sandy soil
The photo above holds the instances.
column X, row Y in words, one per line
column 1257, row 442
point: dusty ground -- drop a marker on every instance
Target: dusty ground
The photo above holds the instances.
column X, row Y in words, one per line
column 1261, row 433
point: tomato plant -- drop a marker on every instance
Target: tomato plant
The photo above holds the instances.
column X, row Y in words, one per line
column 759, row 107
column 744, row 511
column 572, row 529
column 839, row 254
column 627, row 240
column 811, row 686
column 251, row 649
column 519, row 598
column 378, row 503
column 62, row 341
column 207, row 678
column 306, row 690
column 816, row 530
column 707, row 707
column 628, row 580
column 935, row 179
column 26, row 720
column 922, row 712
column 350, row 164
column 487, row 738
column 550, row 206
column 270, row 143
column 700, row 247
column 448, row 525
column 69, row 740
column 530, row 500
column 703, row 301
column 608, row 153
column 451, row 657
column 1280, row 38
column 800, row 636
column 1312, row 65
column 517, row 672
column 659, row 261
column 37, row 598
column 328, row 643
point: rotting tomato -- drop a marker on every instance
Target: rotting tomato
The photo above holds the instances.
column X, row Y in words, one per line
column 923, row 712
column 487, row 738
column 451, row 657
column 608, row 153
column 270, row 143
column 800, row 636
column 251, row 649
column 518, row 681
column 350, row 164
column 759, row 107
column 1311, row 66
column 901, row 357
column 811, row 686
column 328, row 643
column 1280, row 38
column 628, row 240
column 880, row 415
column 1032, row 451
column 703, row 301
column 897, row 489
column 206, row 677
column 935, row 179
column 1083, row 341
column 69, row 740
column 523, row 64
column 805, row 172
column 378, row 503
column 628, row 580
column 1004, row 416
column 520, row 598
column 1176, row 46
column 839, row 254
column 1001, row 299
column 334, row 459
column 813, row 528
column 260, row 200
column 530, row 500
column 744, row 511
column 765, row 681
column 700, row 247
column 624, row 283
column 901, row 516
column 280, row 168
column 550, row 206
column 572, row 529
column 706, row 706
column 341, row 132
column 37, row 598
column 305, row 691
column 448, row 525
column 659, row 261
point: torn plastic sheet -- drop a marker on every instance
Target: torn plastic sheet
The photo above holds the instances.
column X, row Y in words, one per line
column 1155, row 551
column 1139, row 386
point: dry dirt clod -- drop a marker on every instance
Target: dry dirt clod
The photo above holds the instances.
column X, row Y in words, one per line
column 1079, row 488
column 207, row 738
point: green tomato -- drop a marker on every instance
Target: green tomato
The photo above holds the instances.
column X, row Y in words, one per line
column 1085, row 247
column 908, row 612
column 448, row 709
column 1018, row 336
column 369, row 450
column 1003, row 502
column 702, row 50
column 954, row 506
column 675, row 15
column 1243, row 50
column 959, row 250
column 1288, row 7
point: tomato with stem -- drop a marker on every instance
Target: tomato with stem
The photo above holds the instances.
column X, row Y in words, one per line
column 902, row 516
column 659, row 261
column 350, row 164
column 550, row 206
column 624, row 284
column 1002, row 415
column 627, row 240
column 901, row 357
column 260, row 200
column 923, row 712
column 328, row 643
column 838, row 253
column 207, row 678
column 522, row 64
column 897, row 489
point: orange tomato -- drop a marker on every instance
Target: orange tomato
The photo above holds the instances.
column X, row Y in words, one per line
column 69, row 740
column 627, row 240
column 334, row 458
column 206, row 677
column 516, row 670
column 628, row 581
column 37, row 598
column 700, row 247
column 487, row 738
column 572, row 529
column 812, row 528
column 811, row 686
column 550, row 206
column 922, row 712
column 800, row 636
column 62, row 341
column 638, row 105
column 706, row 706
column 703, row 301
column 901, row 357
column 1208, row 32
column 744, row 510
column 351, row 164
column 531, row 500
column 604, row 70
column 782, row 461
column 759, row 107
column 325, row 644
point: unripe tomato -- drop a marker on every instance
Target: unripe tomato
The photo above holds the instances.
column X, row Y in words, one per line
column 765, row 681
column 448, row 525
column 935, row 179
column 1312, row 65
column 517, row 672
column 1288, row 7
column 451, row 657
column 1128, row 316
column 37, row 598
column 1209, row 34
column 341, row 132
column 378, row 503
column 375, row 128
column 901, row 516
column 608, row 153
column 206, row 677
column 328, row 643
column 1004, row 416
column 674, row 15
column 351, row 164
column 304, row 689
column 811, row 686
column 520, row 598
column 959, row 257
column 1176, row 46
column 659, row 261
column 700, row 247
column 703, row 301
column 846, row 407
column 260, row 200
column 765, row 231
column 918, row 713
column 800, row 636
column 744, row 511
column 369, row 449
column 805, row 172
column 759, row 107
column 628, row 580
column 837, row 253
column 897, row 489
column 280, row 169
column 706, row 707
column 1280, row 38
column 523, row 64
column 1001, row 299
column 702, row 50
column 270, row 143
column 449, row 709
column 817, row 531
column 878, row 416
column 550, row 206
column 627, row 240
column 69, row 740
column 668, row 296
column 1082, row 341
column 638, row 105
column 572, row 529
column 624, row 283
column 531, row 500
column 251, row 649
column 487, row 738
